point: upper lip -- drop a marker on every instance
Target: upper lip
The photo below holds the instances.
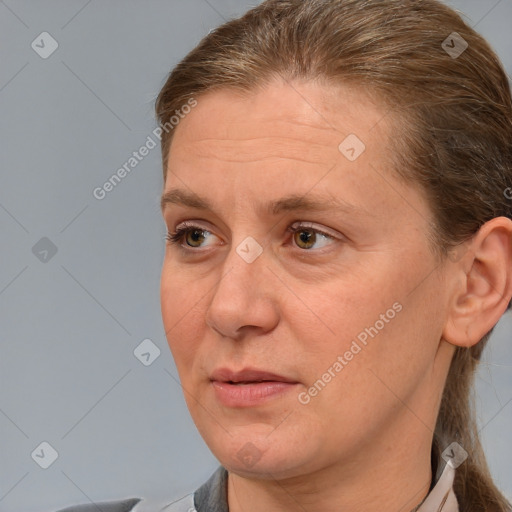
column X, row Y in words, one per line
column 247, row 375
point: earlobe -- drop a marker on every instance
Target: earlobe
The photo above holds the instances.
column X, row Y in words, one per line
column 484, row 289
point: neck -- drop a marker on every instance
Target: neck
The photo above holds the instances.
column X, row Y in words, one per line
column 388, row 478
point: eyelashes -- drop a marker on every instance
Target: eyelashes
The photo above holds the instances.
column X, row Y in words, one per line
column 176, row 237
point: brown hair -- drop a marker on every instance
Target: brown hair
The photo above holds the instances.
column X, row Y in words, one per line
column 454, row 136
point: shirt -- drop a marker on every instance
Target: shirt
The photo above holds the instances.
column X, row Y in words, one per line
column 212, row 497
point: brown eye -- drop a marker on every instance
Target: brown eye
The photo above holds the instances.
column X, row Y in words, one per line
column 305, row 238
column 194, row 236
column 190, row 236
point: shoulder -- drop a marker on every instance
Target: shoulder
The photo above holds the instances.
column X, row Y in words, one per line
column 126, row 505
column 210, row 497
column 185, row 504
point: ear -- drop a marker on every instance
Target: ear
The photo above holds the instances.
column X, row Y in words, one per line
column 482, row 284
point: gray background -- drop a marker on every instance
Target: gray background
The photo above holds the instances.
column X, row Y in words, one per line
column 69, row 325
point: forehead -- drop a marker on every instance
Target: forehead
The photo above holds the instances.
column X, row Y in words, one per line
column 304, row 120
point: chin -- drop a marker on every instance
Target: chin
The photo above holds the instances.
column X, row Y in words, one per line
column 254, row 453
column 268, row 467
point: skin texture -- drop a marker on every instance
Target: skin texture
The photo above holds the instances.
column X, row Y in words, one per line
column 362, row 442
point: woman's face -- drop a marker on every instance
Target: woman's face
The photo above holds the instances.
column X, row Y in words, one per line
column 304, row 306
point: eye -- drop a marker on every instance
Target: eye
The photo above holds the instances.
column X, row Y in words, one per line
column 305, row 236
column 193, row 235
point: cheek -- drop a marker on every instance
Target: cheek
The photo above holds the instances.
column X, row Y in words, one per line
column 358, row 387
column 336, row 311
column 182, row 316
column 374, row 323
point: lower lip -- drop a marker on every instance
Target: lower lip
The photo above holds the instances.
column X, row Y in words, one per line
column 249, row 395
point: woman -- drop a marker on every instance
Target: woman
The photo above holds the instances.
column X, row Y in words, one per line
column 340, row 248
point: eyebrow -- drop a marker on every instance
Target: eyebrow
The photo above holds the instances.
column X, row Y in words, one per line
column 184, row 198
column 289, row 203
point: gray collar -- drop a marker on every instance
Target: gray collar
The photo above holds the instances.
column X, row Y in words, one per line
column 212, row 495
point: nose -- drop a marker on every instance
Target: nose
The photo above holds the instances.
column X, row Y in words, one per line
column 244, row 299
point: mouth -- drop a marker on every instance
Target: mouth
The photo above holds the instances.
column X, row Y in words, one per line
column 249, row 387
column 247, row 376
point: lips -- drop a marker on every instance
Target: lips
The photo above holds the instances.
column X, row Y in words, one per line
column 249, row 387
column 247, row 376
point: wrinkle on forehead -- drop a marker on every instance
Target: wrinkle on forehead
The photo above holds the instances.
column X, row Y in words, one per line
column 264, row 148
column 285, row 127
